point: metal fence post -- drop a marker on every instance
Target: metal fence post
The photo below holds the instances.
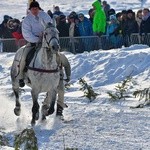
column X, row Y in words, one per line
column 72, row 41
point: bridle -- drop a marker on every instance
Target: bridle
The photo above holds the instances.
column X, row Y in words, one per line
column 53, row 37
column 48, row 42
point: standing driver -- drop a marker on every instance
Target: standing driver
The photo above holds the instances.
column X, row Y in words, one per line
column 65, row 74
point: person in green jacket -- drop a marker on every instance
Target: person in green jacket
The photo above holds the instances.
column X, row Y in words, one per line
column 99, row 21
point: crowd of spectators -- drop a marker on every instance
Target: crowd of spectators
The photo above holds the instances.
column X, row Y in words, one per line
column 101, row 20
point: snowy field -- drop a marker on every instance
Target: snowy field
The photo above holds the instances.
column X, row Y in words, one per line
column 97, row 125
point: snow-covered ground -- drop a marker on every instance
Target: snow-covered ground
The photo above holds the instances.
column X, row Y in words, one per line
column 97, row 125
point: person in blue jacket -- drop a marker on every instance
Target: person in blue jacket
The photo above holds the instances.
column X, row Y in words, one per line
column 113, row 25
column 85, row 29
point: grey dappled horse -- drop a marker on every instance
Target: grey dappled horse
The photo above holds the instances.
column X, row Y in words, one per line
column 42, row 74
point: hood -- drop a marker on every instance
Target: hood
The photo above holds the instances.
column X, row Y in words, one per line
column 97, row 5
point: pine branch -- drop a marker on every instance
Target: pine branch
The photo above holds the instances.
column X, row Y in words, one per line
column 143, row 94
column 87, row 89
column 121, row 90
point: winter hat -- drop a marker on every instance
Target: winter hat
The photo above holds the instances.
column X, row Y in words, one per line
column 62, row 17
column 111, row 12
column 124, row 12
column 71, row 16
column 6, row 17
column 34, row 4
column 74, row 14
column 112, row 17
column 130, row 11
column 118, row 14
column 90, row 11
column 80, row 15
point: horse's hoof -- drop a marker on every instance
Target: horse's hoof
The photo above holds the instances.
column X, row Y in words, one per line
column 21, row 83
column 17, row 111
column 33, row 122
column 43, row 117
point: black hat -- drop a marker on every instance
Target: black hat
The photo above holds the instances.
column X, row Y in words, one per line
column 71, row 16
column 90, row 11
column 6, row 17
column 62, row 17
column 118, row 14
column 111, row 12
column 34, row 4
column 124, row 12
column 130, row 11
column 74, row 14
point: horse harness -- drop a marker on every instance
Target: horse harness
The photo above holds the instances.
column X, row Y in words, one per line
column 59, row 67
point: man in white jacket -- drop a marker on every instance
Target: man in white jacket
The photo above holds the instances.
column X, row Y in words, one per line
column 32, row 30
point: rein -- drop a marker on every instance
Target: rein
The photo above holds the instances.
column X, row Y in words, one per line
column 48, row 42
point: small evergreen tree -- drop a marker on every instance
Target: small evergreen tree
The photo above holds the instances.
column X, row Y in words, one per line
column 88, row 90
column 121, row 90
column 143, row 95
column 26, row 140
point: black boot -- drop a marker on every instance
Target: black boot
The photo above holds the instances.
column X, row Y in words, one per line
column 29, row 58
column 21, row 83
column 59, row 111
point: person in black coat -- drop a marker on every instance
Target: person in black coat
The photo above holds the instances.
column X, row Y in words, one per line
column 128, row 25
column 63, row 26
column 145, row 27
column 73, row 32
column 145, row 24
column 132, row 25
column 91, row 14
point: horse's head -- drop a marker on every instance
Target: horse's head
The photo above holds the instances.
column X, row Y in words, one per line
column 51, row 38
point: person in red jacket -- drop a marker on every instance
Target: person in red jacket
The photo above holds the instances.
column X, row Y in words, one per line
column 15, row 26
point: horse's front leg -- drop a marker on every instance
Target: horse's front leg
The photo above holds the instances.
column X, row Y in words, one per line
column 17, row 109
column 35, row 108
column 49, row 104
column 52, row 102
